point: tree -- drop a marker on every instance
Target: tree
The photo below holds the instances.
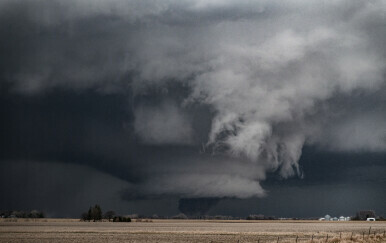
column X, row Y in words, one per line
column 180, row 216
column 121, row 219
column 85, row 217
column 109, row 215
column 35, row 214
column 94, row 213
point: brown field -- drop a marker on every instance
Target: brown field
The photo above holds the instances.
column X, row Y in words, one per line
column 72, row 230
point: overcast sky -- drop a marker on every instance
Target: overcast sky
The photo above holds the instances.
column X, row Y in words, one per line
column 267, row 107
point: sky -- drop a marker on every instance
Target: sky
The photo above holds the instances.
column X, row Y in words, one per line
column 155, row 107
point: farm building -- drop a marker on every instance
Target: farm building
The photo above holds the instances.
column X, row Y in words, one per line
column 329, row 218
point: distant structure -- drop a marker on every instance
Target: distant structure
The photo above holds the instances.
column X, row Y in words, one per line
column 260, row 217
column 256, row 216
column 329, row 218
column 365, row 214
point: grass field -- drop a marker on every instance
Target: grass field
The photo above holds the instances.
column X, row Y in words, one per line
column 72, row 230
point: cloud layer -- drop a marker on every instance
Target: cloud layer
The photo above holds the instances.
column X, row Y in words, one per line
column 162, row 124
column 275, row 76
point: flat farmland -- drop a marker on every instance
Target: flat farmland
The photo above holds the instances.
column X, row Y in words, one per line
column 72, row 230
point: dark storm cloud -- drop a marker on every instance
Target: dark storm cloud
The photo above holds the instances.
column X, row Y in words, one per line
column 67, row 190
column 334, row 183
column 191, row 98
column 46, row 186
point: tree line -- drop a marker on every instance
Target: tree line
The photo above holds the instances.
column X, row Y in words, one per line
column 95, row 213
column 21, row 214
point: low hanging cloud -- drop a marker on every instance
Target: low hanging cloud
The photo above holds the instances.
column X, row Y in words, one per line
column 192, row 175
column 271, row 73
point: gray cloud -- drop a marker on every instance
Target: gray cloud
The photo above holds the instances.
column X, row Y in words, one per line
column 197, row 176
column 163, row 124
column 269, row 71
column 199, row 185
column 358, row 134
